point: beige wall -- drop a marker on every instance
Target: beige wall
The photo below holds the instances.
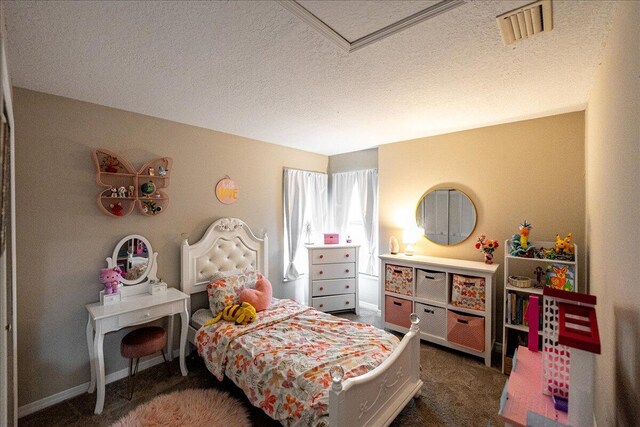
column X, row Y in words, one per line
column 63, row 238
column 531, row 170
column 613, row 218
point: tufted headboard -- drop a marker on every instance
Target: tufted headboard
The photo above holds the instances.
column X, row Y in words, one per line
column 228, row 244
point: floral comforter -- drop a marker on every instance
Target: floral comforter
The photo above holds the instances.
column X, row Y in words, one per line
column 282, row 360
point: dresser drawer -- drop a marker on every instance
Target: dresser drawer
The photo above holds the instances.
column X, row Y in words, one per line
column 433, row 320
column 333, row 255
column 334, row 303
column 333, row 271
column 333, row 287
column 397, row 311
column 143, row 315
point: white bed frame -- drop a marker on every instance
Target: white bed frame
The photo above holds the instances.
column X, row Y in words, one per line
column 372, row 399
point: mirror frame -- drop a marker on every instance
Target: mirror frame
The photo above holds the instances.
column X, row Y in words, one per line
column 149, row 274
column 437, row 187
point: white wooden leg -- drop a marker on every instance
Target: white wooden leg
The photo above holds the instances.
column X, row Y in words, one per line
column 92, row 360
column 170, row 338
column 184, row 315
column 99, row 356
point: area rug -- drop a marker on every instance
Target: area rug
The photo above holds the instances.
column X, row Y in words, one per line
column 203, row 407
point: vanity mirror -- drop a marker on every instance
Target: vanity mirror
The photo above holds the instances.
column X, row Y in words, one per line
column 446, row 215
column 135, row 257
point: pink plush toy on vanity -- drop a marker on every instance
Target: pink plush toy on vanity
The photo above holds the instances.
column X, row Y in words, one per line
column 110, row 277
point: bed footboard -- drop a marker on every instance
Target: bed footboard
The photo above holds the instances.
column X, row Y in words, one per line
column 377, row 397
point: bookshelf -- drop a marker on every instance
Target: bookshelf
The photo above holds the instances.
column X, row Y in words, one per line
column 515, row 329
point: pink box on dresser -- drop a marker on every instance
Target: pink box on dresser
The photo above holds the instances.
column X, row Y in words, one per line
column 331, row 238
column 397, row 311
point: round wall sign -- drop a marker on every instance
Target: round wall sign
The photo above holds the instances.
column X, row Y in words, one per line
column 227, row 191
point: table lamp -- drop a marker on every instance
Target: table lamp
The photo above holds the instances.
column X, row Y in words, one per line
column 409, row 238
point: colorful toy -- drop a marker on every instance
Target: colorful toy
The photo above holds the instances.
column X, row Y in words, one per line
column 131, row 191
column 114, row 192
column 110, row 164
column 116, row 209
column 560, row 277
column 110, row 278
column 260, row 296
column 148, row 188
column 162, row 171
column 564, row 246
column 242, row 314
column 538, row 272
column 122, row 192
column 151, row 207
column 525, row 228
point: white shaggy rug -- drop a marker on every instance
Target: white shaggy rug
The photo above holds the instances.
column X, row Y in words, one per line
column 193, row 407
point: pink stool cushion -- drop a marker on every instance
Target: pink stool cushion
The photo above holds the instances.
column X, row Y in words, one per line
column 143, row 342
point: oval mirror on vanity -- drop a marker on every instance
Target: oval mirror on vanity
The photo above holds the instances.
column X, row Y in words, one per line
column 135, row 257
column 446, row 215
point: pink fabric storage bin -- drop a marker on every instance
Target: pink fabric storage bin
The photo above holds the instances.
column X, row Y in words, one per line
column 398, row 279
column 331, row 238
column 397, row 311
column 467, row 331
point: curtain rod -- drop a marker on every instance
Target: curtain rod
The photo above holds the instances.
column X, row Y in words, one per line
column 302, row 170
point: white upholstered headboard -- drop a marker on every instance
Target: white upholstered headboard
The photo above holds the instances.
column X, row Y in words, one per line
column 228, row 244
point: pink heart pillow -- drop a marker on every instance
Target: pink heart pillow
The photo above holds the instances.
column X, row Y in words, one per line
column 259, row 296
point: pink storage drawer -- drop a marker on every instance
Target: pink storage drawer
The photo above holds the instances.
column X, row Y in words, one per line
column 398, row 279
column 397, row 311
column 467, row 331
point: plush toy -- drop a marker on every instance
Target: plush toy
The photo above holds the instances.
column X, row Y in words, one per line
column 260, row 296
column 116, row 209
column 241, row 314
column 564, row 246
column 525, row 228
column 110, row 277
column 122, row 192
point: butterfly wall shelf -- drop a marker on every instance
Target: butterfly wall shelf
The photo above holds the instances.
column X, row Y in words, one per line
column 126, row 188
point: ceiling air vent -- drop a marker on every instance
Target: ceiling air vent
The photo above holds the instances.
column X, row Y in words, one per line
column 525, row 21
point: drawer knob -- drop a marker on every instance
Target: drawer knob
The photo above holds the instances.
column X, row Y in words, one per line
column 347, row 286
column 321, row 305
column 320, row 272
column 321, row 288
column 321, row 256
column 347, row 302
column 147, row 314
column 347, row 255
column 347, row 270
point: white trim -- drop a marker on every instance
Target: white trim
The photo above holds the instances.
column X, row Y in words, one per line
column 332, row 35
column 369, row 306
column 54, row 399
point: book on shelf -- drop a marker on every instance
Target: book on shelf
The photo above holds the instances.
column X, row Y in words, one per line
column 517, row 306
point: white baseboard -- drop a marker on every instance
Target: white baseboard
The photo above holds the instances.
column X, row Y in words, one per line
column 369, row 306
column 38, row 405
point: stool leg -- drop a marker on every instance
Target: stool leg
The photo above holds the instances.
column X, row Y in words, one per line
column 130, row 380
column 166, row 364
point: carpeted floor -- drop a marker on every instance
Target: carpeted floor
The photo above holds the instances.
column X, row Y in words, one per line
column 459, row 391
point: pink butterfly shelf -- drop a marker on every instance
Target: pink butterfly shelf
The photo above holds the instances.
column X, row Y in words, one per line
column 127, row 188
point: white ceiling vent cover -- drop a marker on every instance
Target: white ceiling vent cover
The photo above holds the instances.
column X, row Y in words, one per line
column 525, row 21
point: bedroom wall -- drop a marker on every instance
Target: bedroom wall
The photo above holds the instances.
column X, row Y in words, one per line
column 613, row 211
column 531, row 170
column 63, row 238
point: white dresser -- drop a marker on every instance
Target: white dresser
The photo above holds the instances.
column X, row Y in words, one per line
column 333, row 277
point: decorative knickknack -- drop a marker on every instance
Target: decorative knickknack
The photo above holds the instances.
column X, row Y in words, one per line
column 394, row 246
column 487, row 247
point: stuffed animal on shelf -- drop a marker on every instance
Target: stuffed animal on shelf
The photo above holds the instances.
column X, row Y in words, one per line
column 260, row 296
column 122, row 192
column 110, row 278
column 242, row 314
column 116, row 209
column 525, row 228
column 564, row 246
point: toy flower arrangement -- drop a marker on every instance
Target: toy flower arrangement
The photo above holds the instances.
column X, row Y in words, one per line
column 487, row 247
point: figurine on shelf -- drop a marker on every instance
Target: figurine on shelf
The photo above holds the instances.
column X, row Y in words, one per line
column 487, row 247
column 152, row 172
column 122, row 192
column 110, row 164
column 525, row 228
column 539, row 272
column 131, row 191
column 148, row 188
column 564, row 246
column 394, row 246
column 114, row 192
column 116, row 209
column 520, row 243
column 152, row 208
column 162, row 171
column 110, row 278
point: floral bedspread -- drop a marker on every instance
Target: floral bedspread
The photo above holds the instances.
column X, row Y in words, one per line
column 282, row 360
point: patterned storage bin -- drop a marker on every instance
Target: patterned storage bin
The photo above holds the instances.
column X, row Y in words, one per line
column 467, row 331
column 398, row 279
column 468, row 292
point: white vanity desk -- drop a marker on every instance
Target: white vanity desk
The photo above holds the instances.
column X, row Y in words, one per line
column 137, row 306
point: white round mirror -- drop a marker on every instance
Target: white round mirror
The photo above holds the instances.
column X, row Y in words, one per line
column 446, row 215
column 134, row 256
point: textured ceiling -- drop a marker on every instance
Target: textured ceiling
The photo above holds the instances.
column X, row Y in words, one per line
column 253, row 69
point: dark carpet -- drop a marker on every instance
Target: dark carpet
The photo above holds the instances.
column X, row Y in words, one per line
column 458, row 391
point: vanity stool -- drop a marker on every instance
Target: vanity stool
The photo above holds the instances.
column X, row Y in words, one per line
column 142, row 342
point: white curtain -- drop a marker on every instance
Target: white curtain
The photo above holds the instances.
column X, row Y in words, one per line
column 343, row 184
column 367, row 182
column 304, row 198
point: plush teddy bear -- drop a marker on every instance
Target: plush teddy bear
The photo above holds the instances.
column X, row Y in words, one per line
column 111, row 278
column 260, row 295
